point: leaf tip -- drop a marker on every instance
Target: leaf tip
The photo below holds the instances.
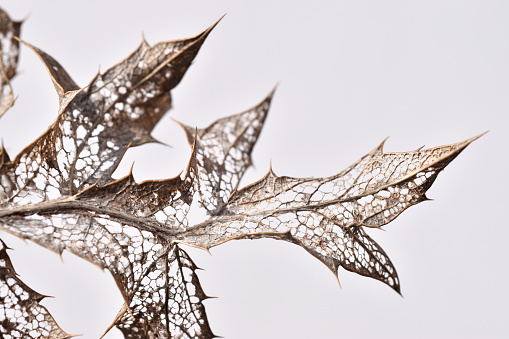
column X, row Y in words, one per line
column 206, row 32
column 425, row 198
column 61, row 80
column 271, row 170
column 271, row 94
column 143, row 40
column 337, row 279
column 151, row 139
column 381, row 145
column 397, row 288
column 475, row 137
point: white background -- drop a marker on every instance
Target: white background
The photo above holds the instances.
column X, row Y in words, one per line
column 350, row 74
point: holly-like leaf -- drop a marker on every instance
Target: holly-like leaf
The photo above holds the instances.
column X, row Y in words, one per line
column 223, row 153
column 9, row 51
column 71, row 165
column 21, row 314
column 59, row 193
column 327, row 216
column 172, row 281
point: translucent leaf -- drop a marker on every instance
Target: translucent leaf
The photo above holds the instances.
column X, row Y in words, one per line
column 121, row 226
column 9, row 51
column 21, row 314
column 58, row 192
column 326, row 216
column 176, row 308
column 97, row 124
column 223, row 153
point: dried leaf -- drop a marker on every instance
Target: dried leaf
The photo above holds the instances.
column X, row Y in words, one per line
column 9, row 50
column 59, row 193
column 71, row 165
column 21, row 314
column 223, row 153
column 172, row 285
column 326, row 216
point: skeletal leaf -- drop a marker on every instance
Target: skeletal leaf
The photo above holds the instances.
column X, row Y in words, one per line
column 110, row 223
column 326, row 216
column 129, row 228
column 21, row 314
column 223, row 153
column 171, row 280
column 97, row 124
column 9, row 50
column 59, row 193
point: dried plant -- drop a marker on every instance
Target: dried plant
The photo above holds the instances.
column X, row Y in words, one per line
column 59, row 193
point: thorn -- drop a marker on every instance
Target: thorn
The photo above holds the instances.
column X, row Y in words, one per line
column 119, row 315
column 5, row 245
column 425, row 198
column 397, row 288
column 478, row 136
column 42, row 296
column 271, row 171
column 215, row 24
column 469, row 141
column 337, row 279
column 206, row 32
column 271, row 94
column 24, row 19
column 381, row 146
column 130, row 174
column 151, row 139
column 178, row 122
column 61, row 257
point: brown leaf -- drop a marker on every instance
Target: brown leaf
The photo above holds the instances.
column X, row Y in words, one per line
column 21, row 314
column 326, row 216
column 59, row 193
column 172, row 281
column 9, row 51
column 223, row 153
